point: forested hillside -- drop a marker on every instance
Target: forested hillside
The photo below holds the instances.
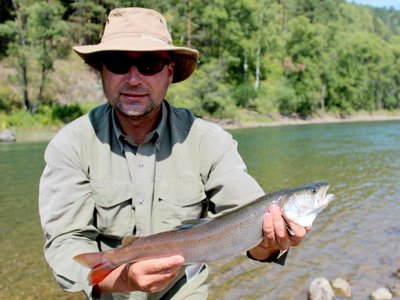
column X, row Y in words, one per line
column 295, row 57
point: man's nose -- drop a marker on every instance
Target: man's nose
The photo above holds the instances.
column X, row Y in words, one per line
column 134, row 76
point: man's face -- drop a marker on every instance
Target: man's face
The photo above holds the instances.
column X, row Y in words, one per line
column 132, row 83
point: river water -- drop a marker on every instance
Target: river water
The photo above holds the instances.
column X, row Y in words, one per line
column 357, row 237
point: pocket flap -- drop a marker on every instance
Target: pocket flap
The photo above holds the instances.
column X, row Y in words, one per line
column 182, row 192
column 108, row 195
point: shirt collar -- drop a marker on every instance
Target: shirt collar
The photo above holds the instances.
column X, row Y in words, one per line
column 161, row 125
column 153, row 136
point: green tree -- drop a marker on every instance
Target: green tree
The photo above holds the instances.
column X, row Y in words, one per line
column 364, row 69
column 392, row 101
column 304, row 49
column 35, row 32
column 45, row 30
column 6, row 13
column 88, row 19
column 390, row 17
column 317, row 11
column 15, row 32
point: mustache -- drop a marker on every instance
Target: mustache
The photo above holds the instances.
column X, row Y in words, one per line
column 128, row 89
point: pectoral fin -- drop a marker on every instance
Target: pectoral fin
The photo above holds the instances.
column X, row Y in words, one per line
column 290, row 230
column 281, row 253
column 192, row 271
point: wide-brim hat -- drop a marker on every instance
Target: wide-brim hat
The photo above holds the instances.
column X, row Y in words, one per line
column 140, row 29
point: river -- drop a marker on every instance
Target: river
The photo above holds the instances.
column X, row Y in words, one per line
column 357, row 237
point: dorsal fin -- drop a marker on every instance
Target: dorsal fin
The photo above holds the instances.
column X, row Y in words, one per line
column 129, row 239
column 193, row 223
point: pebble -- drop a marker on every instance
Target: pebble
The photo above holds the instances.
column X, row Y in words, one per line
column 395, row 290
column 341, row 288
column 381, row 294
column 320, row 289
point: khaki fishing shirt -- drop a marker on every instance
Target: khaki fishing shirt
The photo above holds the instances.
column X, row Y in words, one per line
column 98, row 187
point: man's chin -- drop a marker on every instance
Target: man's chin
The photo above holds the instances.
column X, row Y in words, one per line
column 133, row 114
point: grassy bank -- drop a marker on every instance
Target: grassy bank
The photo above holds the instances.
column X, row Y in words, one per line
column 39, row 131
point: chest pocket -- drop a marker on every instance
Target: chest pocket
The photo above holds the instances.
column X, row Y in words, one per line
column 178, row 201
column 114, row 211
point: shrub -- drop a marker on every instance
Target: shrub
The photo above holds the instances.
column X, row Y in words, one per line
column 244, row 96
column 67, row 113
column 286, row 100
column 8, row 100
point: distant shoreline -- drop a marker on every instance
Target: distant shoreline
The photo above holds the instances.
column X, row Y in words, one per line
column 46, row 134
column 327, row 119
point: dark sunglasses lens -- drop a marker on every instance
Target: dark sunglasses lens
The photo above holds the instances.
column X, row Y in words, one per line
column 147, row 65
column 117, row 65
column 150, row 65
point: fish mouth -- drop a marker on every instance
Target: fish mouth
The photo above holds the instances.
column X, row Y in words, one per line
column 324, row 189
column 322, row 197
column 325, row 198
column 329, row 198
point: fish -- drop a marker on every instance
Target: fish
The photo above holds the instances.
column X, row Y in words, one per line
column 199, row 241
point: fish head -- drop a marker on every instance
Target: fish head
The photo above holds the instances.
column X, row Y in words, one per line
column 302, row 204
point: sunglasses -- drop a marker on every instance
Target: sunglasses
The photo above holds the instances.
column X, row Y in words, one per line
column 147, row 64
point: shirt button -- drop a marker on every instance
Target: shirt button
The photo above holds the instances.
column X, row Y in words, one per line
column 141, row 164
column 141, row 201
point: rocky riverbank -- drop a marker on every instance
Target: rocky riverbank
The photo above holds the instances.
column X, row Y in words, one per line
column 323, row 289
column 278, row 120
column 7, row 136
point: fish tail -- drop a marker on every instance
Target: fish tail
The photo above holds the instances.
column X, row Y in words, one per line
column 99, row 264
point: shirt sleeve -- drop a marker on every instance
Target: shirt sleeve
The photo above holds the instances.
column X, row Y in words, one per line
column 228, row 184
column 66, row 210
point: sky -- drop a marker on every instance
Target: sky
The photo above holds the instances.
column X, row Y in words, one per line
column 379, row 3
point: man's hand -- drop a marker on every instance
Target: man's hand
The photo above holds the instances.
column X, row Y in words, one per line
column 148, row 276
column 276, row 234
column 154, row 275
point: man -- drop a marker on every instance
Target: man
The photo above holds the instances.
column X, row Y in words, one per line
column 137, row 166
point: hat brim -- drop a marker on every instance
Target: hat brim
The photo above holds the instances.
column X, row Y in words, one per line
column 185, row 59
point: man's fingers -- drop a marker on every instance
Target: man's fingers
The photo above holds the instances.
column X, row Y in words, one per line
column 154, row 274
column 268, row 228
column 162, row 265
column 158, row 281
column 275, row 231
column 154, row 283
column 298, row 230
column 279, row 222
column 281, row 232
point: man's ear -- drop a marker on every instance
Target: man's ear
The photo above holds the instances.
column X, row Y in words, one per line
column 171, row 72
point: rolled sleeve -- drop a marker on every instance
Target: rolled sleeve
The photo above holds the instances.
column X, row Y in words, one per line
column 229, row 185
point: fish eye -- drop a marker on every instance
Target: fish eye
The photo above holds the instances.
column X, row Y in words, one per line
column 313, row 190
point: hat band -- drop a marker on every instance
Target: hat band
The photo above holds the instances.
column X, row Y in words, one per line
column 141, row 36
